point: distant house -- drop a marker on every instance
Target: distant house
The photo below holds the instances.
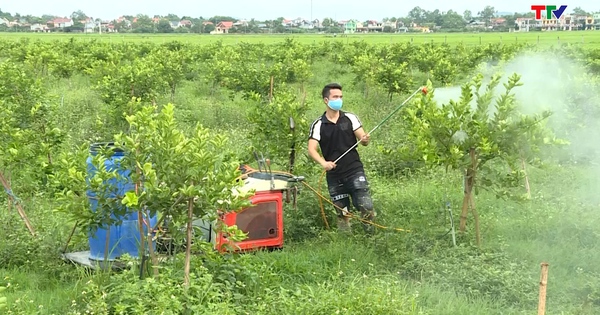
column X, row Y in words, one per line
column 222, row 27
column 552, row 24
column 596, row 20
column 108, row 27
column 307, row 25
column 15, row 23
column 241, row 23
column 374, row 26
column 60, row 23
column 393, row 26
column 524, row 24
column 90, row 26
column 185, row 23
column 350, row 27
column 589, row 23
column 498, row 21
column 37, row 27
column 416, row 28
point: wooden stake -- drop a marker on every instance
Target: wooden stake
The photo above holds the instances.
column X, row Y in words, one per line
column 465, row 207
column 140, row 217
column 476, row 219
column 469, row 183
column 188, row 249
column 469, row 198
column 543, row 285
column 153, row 257
column 9, row 210
column 70, row 236
column 19, row 207
column 271, row 90
column 527, row 187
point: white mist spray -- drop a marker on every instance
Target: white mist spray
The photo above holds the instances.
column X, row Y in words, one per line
column 554, row 83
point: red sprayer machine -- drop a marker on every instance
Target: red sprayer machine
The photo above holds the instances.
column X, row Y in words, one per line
column 263, row 220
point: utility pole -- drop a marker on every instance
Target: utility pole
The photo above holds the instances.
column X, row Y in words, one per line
column 311, row 11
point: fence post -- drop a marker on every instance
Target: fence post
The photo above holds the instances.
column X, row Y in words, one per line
column 479, row 40
column 538, row 39
column 543, row 286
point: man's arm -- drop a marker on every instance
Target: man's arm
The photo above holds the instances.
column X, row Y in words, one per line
column 312, row 151
column 359, row 132
column 314, row 154
column 362, row 136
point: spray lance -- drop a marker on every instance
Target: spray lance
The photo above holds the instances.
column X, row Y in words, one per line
column 421, row 89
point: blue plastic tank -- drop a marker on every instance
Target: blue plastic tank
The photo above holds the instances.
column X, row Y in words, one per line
column 124, row 235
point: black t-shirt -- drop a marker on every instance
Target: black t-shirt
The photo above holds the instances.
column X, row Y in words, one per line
column 335, row 139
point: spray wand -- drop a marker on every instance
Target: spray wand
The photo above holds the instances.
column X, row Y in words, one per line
column 421, row 89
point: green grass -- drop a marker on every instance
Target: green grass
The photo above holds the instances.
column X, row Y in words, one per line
column 393, row 272
column 543, row 38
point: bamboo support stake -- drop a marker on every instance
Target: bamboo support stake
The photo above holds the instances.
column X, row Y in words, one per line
column 149, row 239
column 7, row 223
column 543, row 285
column 271, row 90
column 468, row 186
column 70, row 237
column 476, row 219
column 188, row 249
column 17, row 205
column 527, row 187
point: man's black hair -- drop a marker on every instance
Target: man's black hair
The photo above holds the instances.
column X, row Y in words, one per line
column 329, row 87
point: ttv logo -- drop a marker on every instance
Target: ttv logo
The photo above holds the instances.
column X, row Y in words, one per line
column 550, row 11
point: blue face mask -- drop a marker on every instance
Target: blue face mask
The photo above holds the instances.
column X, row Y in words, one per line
column 335, row 104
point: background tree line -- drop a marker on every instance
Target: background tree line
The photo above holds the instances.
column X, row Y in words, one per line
column 449, row 21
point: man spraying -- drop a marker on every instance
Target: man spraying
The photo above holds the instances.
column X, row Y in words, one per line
column 335, row 132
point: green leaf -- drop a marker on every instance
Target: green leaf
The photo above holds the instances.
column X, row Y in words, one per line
column 130, row 199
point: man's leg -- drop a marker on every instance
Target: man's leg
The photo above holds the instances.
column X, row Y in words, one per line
column 341, row 200
column 361, row 198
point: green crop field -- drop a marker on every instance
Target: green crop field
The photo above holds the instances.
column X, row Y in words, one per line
column 589, row 38
column 503, row 145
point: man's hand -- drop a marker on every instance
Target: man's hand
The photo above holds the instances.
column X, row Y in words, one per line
column 328, row 166
column 365, row 139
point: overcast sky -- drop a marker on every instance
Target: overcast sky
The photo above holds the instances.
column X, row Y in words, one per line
column 268, row 9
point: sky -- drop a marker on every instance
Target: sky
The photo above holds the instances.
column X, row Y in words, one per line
column 269, row 9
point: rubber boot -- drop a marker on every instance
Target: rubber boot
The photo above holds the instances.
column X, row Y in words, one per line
column 369, row 228
column 344, row 224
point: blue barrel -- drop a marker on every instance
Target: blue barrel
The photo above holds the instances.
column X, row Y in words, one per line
column 124, row 235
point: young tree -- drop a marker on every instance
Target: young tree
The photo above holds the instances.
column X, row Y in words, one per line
column 177, row 176
column 479, row 138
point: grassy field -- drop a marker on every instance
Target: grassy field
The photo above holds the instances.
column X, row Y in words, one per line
column 590, row 38
column 321, row 271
